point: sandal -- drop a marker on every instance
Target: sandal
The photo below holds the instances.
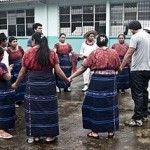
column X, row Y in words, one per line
column 50, row 139
column 110, row 134
column 5, row 135
column 36, row 139
column 92, row 136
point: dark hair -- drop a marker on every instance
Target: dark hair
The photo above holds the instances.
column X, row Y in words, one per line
column 1, row 51
column 43, row 52
column 12, row 38
column 135, row 25
column 2, row 37
column 122, row 35
column 62, row 34
column 35, row 25
column 102, row 40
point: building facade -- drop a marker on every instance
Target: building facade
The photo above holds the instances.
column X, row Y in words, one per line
column 74, row 18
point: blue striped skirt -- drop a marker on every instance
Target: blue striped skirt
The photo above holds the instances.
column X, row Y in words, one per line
column 65, row 64
column 7, row 106
column 100, row 107
column 41, row 110
column 20, row 91
column 123, row 78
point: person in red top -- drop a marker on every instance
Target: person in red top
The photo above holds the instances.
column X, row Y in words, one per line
column 7, row 100
column 15, row 58
column 41, row 112
column 100, row 106
column 123, row 78
column 63, row 50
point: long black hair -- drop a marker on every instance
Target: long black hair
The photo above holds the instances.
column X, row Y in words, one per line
column 43, row 53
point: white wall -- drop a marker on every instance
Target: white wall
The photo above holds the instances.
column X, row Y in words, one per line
column 53, row 20
column 41, row 17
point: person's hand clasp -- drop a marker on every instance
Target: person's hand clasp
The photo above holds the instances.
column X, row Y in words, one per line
column 70, row 79
column 10, row 67
column 14, row 86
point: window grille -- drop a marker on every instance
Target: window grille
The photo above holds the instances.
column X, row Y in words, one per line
column 17, row 22
column 77, row 20
column 123, row 13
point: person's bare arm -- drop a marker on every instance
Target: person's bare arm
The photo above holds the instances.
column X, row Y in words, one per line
column 77, row 73
column 127, row 57
column 20, row 77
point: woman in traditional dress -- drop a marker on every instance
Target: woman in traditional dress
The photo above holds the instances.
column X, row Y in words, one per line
column 67, row 64
column 15, row 57
column 100, row 107
column 7, row 100
column 87, row 47
column 123, row 80
column 41, row 112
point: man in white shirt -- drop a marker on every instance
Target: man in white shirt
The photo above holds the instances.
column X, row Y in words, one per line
column 87, row 47
column 139, row 55
column 3, row 44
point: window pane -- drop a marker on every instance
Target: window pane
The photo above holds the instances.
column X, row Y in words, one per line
column 87, row 17
column 29, row 19
column 100, row 28
column 76, row 28
column 12, row 30
column 100, row 8
column 88, row 9
column 3, row 26
column 64, row 25
column 20, row 20
column 2, row 14
column 64, row 18
column 64, row 10
column 144, row 15
column 20, row 30
column 29, row 30
column 30, row 12
column 99, row 17
column 3, row 21
column 76, row 10
column 76, row 18
column 130, row 16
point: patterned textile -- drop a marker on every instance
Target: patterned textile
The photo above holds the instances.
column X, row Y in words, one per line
column 64, row 62
column 7, row 102
column 29, row 60
column 15, row 55
column 100, row 107
column 123, row 78
column 15, row 58
column 41, row 112
column 102, row 59
column 121, row 48
column 20, row 91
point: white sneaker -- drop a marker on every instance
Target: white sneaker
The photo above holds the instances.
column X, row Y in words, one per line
column 57, row 89
column 85, row 88
column 30, row 140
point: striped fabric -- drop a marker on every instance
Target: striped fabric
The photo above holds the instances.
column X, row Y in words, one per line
column 41, row 114
column 100, row 107
column 7, row 106
column 65, row 64
column 123, row 78
column 20, row 91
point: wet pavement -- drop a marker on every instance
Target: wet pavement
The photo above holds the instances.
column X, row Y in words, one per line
column 73, row 136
